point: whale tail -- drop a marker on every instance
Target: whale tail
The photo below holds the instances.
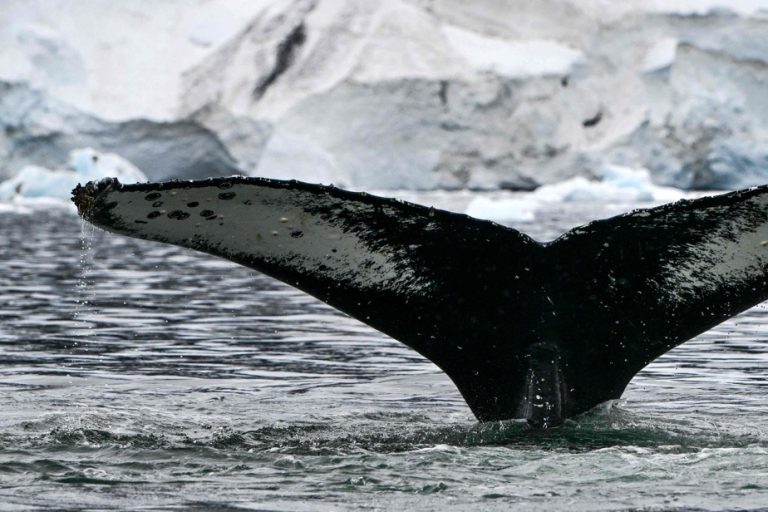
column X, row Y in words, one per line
column 541, row 331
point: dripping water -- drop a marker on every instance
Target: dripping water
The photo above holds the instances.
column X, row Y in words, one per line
column 83, row 288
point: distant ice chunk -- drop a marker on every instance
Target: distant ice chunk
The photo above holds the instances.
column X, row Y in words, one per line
column 508, row 209
column 516, row 59
column 38, row 186
column 617, row 185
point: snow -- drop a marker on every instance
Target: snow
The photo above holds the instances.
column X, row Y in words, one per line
column 515, row 59
column 38, row 186
column 702, row 7
column 660, row 56
column 212, row 29
column 118, row 60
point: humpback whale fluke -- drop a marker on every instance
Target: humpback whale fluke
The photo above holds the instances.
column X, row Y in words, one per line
column 540, row 331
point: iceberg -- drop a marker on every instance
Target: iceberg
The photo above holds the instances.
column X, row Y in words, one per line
column 39, row 186
column 617, row 184
column 90, row 165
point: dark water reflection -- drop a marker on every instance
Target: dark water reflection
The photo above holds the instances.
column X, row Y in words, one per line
column 136, row 375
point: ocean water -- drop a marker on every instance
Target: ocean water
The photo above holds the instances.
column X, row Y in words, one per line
column 146, row 377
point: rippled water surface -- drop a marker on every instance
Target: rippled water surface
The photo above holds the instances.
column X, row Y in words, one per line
column 147, row 377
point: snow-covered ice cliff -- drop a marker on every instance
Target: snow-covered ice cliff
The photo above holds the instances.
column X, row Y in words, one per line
column 417, row 94
column 38, row 130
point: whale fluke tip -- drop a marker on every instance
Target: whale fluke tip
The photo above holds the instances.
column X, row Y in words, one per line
column 84, row 195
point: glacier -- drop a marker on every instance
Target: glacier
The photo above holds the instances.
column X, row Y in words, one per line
column 405, row 94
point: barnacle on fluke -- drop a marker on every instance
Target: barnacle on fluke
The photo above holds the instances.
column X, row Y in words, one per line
column 83, row 195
